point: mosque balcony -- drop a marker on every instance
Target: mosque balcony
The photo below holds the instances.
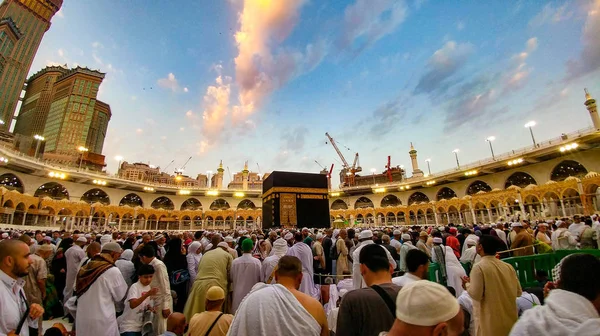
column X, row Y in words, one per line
column 587, row 138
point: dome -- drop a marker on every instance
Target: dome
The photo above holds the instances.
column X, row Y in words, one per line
column 514, row 187
column 480, row 192
column 572, row 178
column 531, row 186
column 467, row 197
column 496, row 189
column 591, row 174
column 550, row 182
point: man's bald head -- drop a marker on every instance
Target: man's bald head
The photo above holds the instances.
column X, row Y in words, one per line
column 93, row 249
column 10, row 248
column 176, row 323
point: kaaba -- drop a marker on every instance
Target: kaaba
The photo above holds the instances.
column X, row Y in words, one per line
column 295, row 199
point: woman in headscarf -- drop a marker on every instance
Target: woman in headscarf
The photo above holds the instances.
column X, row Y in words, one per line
column 125, row 265
column 177, row 268
column 193, row 259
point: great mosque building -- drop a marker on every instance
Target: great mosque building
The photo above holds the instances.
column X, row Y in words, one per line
column 554, row 178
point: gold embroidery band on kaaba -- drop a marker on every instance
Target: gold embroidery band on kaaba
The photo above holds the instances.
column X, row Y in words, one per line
column 295, row 190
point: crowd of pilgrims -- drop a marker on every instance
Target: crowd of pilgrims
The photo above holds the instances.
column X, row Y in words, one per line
column 301, row 281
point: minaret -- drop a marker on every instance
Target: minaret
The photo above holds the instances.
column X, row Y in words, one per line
column 245, row 176
column 220, row 171
column 415, row 165
column 590, row 103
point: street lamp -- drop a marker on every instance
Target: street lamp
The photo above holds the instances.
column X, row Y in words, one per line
column 82, row 150
column 428, row 167
column 209, row 184
column 530, row 125
column 119, row 158
column 456, row 155
column 39, row 139
column 373, row 170
column 489, row 140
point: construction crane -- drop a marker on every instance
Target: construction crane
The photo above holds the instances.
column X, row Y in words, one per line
column 179, row 171
column 167, row 166
column 323, row 169
column 348, row 172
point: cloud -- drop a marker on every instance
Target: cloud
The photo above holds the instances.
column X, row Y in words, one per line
column 61, row 52
column 186, row 90
column 97, row 45
column 139, row 131
column 292, row 143
column 259, row 70
column 551, row 14
column 387, row 117
column 170, row 82
column 589, row 58
column 216, row 110
column 181, row 129
column 517, row 77
column 133, row 98
column 460, row 25
column 444, row 63
column 366, row 21
column 189, row 113
column 60, row 14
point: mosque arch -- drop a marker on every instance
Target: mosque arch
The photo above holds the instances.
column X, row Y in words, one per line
column 219, row 204
column 132, row 200
column 519, row 179
column 246, row 204
column 445, row 193
column 417, row 197
column 191, row 204
column 164, row 203
column 11, row 182
column 96, row 196
column 339, row 204
column 363, row 202
column 478, row 186
column 53, row 190
column 567, row 168
column 390, row 200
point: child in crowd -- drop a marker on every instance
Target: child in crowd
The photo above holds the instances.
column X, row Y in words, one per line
column 138, row 301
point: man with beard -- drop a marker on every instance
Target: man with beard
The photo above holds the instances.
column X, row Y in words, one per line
column 14, row 264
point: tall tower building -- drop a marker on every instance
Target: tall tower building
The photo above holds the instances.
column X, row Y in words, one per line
column 245, row 176
column 415, row 164
column 37, row 100
column 590, row 104
column 75, row 118
column 28, row 20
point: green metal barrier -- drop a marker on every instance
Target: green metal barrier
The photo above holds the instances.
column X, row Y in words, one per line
column 527, row 265
column 524, row 266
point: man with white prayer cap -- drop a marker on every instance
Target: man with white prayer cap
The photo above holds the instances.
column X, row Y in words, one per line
column 105, row 239
column 280, row 248
column 523, row 241
column 426, row 308
column 229, row 240
column 470, row 255
column 365, row 237
column 407, row 245
column 395, row 242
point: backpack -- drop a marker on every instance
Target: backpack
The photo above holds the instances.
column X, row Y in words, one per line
column 333, row 254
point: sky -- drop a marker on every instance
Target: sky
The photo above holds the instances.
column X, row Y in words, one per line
column 263, row 80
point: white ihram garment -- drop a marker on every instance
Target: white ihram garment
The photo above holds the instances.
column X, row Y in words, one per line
column 74, row 256
column 96, row 313
column 304, row 253
column 563, row 313
column 272, row 310
column 245, row 273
